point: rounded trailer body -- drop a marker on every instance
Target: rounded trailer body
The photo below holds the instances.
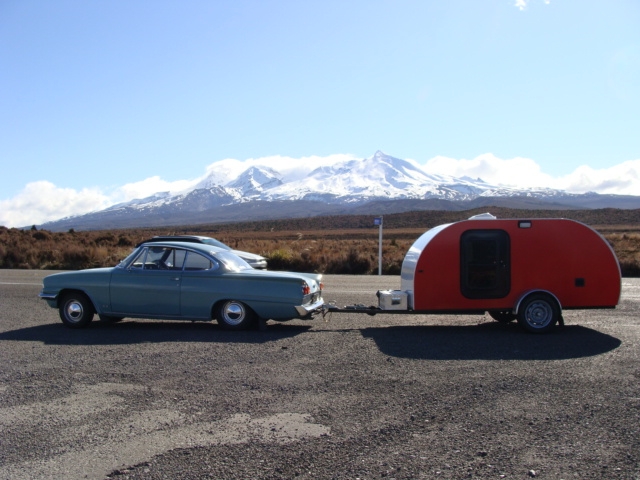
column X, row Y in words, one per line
column 495, row 265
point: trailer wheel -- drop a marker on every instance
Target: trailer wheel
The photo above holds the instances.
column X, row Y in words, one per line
column 502, row 316
column 538, row 313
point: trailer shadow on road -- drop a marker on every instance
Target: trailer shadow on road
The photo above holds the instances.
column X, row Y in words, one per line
column 489, row 341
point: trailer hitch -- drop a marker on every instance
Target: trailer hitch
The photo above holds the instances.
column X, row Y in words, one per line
column 331, row 307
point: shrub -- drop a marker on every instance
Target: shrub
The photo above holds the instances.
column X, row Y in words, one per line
column 74, row 257
column 279, row 259
column 630, row 268
column 353, row 263
column 41, row 235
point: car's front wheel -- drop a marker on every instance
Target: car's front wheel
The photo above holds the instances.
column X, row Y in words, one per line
column 234, row 315
column 76, row 310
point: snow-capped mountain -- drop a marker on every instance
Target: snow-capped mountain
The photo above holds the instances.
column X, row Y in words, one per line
column 260, row 192
column 380, row 176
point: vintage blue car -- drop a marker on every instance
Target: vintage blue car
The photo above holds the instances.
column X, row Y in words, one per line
column 183, row 281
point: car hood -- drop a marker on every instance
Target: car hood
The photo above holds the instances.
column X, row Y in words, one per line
column 60, row 277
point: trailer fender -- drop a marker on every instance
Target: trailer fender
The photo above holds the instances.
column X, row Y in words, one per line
column 530, row 292
column 535, row 321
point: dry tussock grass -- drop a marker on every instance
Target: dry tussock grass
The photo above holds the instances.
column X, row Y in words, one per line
column 331, row 251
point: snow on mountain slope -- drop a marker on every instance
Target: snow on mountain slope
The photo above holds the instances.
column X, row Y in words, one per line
column 380, row 176
column 255, row 180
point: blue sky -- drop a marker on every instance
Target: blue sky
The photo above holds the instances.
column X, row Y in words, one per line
column 104, row 101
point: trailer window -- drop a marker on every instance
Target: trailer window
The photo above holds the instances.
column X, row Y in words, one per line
column 485, row 264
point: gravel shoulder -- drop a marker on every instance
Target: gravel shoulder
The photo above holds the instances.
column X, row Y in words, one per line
column 345, row 397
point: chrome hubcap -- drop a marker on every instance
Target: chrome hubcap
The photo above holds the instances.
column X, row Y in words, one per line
column 233, row 313
column 74, row 311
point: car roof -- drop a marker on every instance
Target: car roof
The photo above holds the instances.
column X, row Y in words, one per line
column 202, row 247
column 178, row 238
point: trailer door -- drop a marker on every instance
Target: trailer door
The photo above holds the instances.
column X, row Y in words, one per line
column 485, row 270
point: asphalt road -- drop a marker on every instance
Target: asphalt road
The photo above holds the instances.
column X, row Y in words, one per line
column 346, row 397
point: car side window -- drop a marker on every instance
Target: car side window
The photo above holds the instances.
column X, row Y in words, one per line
column 195, row 261
column 176, row 261
column 157, row 258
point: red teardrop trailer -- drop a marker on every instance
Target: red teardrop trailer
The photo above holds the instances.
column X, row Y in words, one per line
column 529, row 270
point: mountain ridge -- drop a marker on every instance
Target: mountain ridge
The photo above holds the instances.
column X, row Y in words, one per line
column 353, row 186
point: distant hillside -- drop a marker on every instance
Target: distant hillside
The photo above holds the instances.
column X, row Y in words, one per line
column 421, row 219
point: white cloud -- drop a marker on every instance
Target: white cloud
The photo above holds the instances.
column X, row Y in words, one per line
column 42, row 201
column 621, row 179
column 522, row 4
column 148, row 187
column 290, row 168
column 521, row 172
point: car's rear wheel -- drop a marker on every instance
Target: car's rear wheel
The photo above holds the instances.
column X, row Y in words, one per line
column 76, row 310
column 234, row 315
column 538, row 313
column 502, row 316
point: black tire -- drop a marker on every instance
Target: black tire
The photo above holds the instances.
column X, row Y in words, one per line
column 234, row 315
column 76, row 310
column 110, row 319
column 538, row 313
column 502, row 316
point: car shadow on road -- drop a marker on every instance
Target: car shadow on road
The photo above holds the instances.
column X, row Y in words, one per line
column 134, row 332
column 489, row 341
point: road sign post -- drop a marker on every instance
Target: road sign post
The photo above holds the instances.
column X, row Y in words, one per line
column 378, row 221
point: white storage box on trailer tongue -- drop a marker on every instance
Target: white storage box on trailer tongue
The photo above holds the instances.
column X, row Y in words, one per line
column 392, row 299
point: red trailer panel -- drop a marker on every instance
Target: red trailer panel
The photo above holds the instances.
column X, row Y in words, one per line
column 494, row 265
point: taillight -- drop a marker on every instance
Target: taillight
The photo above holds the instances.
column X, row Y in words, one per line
column 321, row 286
column 306, row 289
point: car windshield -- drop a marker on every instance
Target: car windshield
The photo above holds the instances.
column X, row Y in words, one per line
column 215, row 243
column 123, row 263
column 231, row 261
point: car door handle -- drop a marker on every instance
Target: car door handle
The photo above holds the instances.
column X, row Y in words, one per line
column 177, row 279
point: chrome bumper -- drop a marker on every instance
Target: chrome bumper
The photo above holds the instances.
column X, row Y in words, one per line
column 50, row 298
column 308, row 311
